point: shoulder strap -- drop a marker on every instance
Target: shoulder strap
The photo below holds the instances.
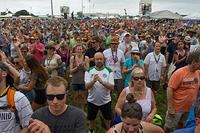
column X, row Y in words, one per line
column 11, row 103
column 114, row 129
column 10, row 98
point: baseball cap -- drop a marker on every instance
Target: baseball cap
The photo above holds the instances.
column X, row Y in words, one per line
column 127, row 34
column 114, row 40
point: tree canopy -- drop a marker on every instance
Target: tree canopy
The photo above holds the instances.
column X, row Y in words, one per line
column 22, row 12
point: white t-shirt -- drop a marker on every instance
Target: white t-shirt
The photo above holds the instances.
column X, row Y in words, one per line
column 98, row 94
column 52, row 62
column 154, row 69
column 123, row 46
column 7, row 118
column 114, row 61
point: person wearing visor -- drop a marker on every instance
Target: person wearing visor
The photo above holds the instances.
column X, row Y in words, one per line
column 131, row 63
column 58, row 117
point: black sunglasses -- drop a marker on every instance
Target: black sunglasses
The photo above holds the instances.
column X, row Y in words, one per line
column 137, row 78
column 16, row 63
column 135, row 53
column 59, row 96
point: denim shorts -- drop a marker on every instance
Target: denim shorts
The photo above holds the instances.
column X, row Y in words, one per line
column 77, row 87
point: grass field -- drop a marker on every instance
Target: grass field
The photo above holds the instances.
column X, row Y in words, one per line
column 161, row 103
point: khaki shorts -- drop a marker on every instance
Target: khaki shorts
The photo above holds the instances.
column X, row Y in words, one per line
column 172, row 122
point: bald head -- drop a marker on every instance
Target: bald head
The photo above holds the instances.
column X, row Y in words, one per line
column 99, row 60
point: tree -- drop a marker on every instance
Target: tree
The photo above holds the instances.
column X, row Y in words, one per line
column 3, row 13
column 21, row 12
column 80, row 14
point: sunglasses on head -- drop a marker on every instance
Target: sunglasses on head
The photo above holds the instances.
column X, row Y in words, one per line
column 58, row 96
column 137, row 78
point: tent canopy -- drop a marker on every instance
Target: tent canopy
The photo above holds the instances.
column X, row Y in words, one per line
column 165, row 15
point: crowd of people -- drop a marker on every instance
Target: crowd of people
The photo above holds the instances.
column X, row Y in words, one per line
column 44, row 61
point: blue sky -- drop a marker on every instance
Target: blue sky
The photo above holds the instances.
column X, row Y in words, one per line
column 42, row 7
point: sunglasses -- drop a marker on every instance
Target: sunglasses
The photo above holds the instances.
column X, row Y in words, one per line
column 135, row 53
column 59, row 96
column 24, row 51
column 49, row 48
column 137, row 78
column 16, row 63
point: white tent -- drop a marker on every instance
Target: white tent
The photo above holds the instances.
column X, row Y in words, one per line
column 165, row 15
column 192, row 17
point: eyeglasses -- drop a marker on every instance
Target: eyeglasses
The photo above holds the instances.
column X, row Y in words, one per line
column 59, row 96
column 137, row 78
column 135, row 53
column 16, row 63
column 93, row 42
column 23, row 51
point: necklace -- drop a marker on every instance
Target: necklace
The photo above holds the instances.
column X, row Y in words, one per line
column 138, row 94
column 49, row 58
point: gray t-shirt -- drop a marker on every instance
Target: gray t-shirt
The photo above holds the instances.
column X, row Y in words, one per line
column 71, row 121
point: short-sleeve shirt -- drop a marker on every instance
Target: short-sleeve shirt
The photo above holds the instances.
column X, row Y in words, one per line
column 155, row 64
column 72, row 120
column 129, row 63
column 185, row 85
column 98, row 94
column 114, row 60
column 7, row 118
column 186, row 130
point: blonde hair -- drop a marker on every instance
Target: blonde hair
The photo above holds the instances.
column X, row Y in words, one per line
column 135, row 71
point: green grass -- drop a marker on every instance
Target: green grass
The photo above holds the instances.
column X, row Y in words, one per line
column 161, row 103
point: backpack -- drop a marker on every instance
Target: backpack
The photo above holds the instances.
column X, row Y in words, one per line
column 11, row 103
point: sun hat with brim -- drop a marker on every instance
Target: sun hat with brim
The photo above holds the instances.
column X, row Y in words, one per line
column 4, row 67
column 187, row 39
column 135, row 50
column 50, row 45
column 114, row 40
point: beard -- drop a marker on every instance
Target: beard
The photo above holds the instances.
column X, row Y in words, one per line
column 99, row 65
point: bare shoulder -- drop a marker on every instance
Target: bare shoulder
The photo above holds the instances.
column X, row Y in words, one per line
column 150, row 128
column 116, row 127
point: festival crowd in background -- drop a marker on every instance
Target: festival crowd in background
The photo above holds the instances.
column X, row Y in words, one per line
column 96, row 61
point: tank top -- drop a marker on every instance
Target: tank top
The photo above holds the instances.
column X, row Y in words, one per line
column 78, row 76
column 145, row 103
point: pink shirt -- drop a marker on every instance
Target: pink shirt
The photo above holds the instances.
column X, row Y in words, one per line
column 36, row 53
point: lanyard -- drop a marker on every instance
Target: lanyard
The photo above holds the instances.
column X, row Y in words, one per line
column 114, row 57
column 156, row 59
column 5, row 91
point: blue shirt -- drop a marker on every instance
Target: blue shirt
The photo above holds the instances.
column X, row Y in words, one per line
column 185, row 130
column 191, row 118
column 129, row 63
